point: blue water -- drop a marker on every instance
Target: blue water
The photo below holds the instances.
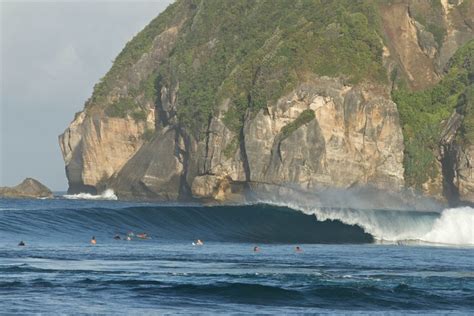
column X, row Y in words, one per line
column 341, row 269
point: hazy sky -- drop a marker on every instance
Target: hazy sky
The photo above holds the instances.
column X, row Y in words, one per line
column 52, row 53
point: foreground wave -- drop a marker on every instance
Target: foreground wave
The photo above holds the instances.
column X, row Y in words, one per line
column 265, row 222
column 59, row 271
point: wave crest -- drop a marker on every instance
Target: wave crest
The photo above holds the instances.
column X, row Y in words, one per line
column 453, row 226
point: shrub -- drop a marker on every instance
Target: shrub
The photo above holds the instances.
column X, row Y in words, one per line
column 422, row 114
column 121, row 108
column 305, row 117
column 148, row 134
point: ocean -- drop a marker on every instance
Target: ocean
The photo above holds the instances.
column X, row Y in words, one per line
column 351, row 260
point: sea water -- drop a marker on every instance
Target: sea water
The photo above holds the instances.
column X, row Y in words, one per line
column 363, row 261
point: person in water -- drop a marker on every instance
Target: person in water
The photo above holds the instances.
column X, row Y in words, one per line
column 256, row 249
column 93, row 241
column 199, row 242
column 117, row 237
column 22, row 243
column 143, row 236
column 298, row 249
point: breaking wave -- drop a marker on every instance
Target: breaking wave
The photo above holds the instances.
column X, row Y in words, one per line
column 108, row 194
column 453, row 226
column 267, row 222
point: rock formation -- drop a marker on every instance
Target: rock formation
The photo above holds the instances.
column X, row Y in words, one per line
column 29, row 188
column 212, row 101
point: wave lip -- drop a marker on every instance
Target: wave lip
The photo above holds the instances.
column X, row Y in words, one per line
column 454, row 226
column 108, row 194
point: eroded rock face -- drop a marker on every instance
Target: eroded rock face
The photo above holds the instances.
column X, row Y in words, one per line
column 219, row 153
column 464, row 179
column 355, row 139
column 421, row 56
column 29, row 188
column 155, row 171
column 95, row 148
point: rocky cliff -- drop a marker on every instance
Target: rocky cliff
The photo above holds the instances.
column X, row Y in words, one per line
column 214, row 100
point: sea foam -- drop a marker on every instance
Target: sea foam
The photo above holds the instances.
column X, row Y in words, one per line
column 108, row 194
column 453, row 226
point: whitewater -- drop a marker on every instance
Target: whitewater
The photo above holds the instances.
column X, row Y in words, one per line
column 451, row 226
column 108, row 194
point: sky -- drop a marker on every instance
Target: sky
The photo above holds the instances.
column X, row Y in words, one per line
column 51, row 55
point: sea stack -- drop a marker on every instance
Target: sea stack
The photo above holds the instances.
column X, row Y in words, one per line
column 29, row 188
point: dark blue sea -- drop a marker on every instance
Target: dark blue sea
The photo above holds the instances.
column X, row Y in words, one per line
column 352, row 261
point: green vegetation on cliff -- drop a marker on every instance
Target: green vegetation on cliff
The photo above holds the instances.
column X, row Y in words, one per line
column 305, row 117
column 422, row 114
column 132, row 52
column 251, row 52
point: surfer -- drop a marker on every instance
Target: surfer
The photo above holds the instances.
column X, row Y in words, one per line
column 22, row 243
column 198, row 243
column 256, row 249
column 130, row 235
column 143, row 236
column 93, row 241
column 117, row 237
column 298, row 249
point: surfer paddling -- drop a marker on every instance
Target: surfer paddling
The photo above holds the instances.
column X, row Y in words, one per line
column 143, row 236
column 198, row 243
column 93, row 241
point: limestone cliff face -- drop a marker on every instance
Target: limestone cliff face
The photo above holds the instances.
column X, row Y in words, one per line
column 97, row 144
column 354, row 139
column 139, row 135
column 464, row 177
column 94, row 148
column 422, row 36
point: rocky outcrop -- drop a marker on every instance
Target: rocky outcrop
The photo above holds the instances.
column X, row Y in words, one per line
column 404, row 46
column 456, row 159
column 354, row 139
column 29, row 188
column 423, row 36
column 323, row 133
column 464, row 176
column 155, row 171
column 96, row 147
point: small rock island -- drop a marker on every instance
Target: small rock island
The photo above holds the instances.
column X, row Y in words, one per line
column 29, row 188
